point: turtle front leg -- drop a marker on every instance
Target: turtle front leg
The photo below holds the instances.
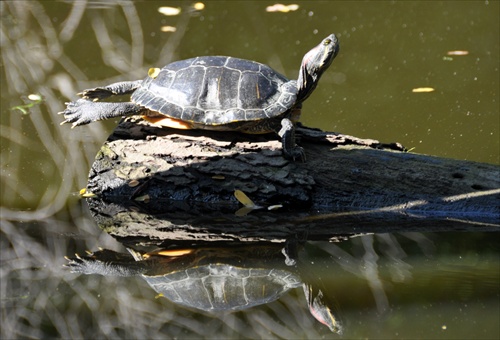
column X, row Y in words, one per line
column 290, row 149
column 115, row 89
column 84, row 111
column 105, row 262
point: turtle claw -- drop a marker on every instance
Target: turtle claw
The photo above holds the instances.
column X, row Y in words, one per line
column 96, row 94
column 295, row 154
column 77, row 264
column 78, row 113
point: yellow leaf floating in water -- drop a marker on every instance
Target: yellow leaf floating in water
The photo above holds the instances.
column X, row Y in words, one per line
column 168, row 29
column 457, row 52
column 199, row 6
column 35, row 97
column 244, row 199
column 169, row 11
column 423, row 89
column 282, row 8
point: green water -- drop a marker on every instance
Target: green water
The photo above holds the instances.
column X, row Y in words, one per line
column 56, row 49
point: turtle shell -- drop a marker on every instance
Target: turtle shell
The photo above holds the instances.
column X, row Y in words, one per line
column 223, row 287
column 217, row 91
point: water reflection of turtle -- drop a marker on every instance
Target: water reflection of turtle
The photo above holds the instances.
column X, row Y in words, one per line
column 210, row 279
column 214, row 93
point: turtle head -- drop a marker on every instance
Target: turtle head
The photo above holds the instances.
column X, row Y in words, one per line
column 314, row 63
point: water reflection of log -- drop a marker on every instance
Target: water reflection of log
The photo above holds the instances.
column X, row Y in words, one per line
column 184, row 223
column 355, row 185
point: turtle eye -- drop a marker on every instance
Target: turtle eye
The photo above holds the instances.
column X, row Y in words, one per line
column 327, row 41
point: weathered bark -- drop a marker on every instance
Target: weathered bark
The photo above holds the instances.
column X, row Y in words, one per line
column 343, row 176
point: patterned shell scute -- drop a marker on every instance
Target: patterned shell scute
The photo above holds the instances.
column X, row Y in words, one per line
column 218, row 287
column 217, row 91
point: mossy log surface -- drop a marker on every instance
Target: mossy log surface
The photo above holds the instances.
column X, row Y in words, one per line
column 343, row 176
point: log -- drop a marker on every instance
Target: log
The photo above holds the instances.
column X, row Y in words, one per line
column 189, row 178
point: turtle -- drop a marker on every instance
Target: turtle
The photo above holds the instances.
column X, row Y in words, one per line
column 214, row 93
column 209, row 279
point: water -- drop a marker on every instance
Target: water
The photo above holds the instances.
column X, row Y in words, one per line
column 414, row 285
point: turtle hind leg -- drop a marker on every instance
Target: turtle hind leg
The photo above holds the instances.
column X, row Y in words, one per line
column 83, row 111
column 115, row 89
column 106, row 262
column 290, row 149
